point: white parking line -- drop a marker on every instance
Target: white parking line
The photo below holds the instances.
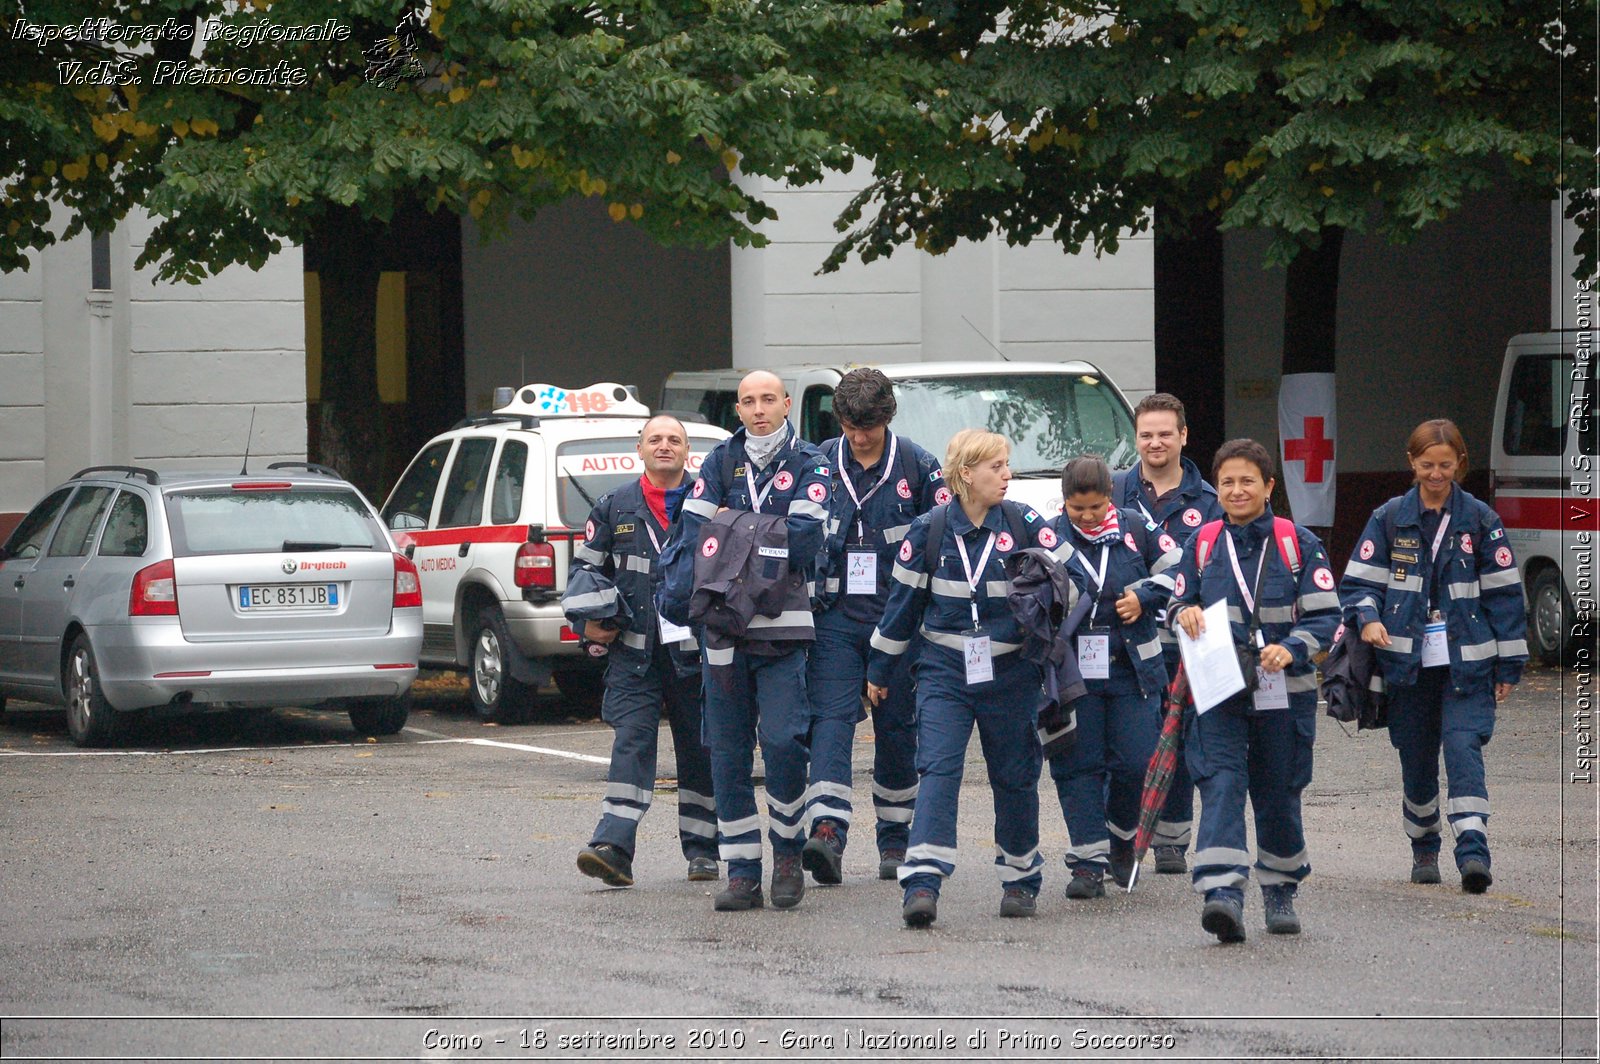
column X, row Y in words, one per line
column 435, row 737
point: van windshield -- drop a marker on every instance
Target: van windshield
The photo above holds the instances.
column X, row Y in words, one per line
column 1048, row 417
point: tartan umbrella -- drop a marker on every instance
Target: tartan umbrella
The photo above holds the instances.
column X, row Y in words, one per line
column 1163, row 763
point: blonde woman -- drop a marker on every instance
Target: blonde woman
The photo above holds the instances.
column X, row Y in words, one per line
column 949, row 586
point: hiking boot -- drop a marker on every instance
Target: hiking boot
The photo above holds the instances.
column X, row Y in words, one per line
column 1086, row 883
column 1170, row 861
column 822, row 856
column 889, row 862
column 1122, row 865
column 1475, row 877
column 606, row 863
column 1424, row 867
column 703, row 870
column 921, row 908
column 1018, row 901
column 1278, row 901
column 1224, row 917
column 741, row 893
column 788, row 881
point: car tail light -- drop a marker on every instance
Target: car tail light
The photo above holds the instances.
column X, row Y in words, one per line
column 407, row 585
column 536, row 566
column 569, row 636
column 155, row 591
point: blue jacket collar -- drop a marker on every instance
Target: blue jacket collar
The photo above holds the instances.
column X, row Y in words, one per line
column 994, row 520
column 1408, row 512
column 1254, row 533
column 1192, row 486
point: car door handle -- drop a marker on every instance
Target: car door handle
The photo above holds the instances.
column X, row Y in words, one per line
column 462, row 553
column 69, row 582
column 19, row 583
column 411, row 550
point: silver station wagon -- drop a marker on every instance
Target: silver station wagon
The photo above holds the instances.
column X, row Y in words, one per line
column 127, row 589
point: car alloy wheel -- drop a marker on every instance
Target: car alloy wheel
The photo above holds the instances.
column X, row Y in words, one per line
column 80, row 692
column 488, row 667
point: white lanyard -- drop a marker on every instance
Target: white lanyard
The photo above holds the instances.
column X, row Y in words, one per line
column 650, row 531
column 973, row 578
column 1099, row 578
column 757, row 497
column 860, row 501
column 1238, row 574
column 1439, row 537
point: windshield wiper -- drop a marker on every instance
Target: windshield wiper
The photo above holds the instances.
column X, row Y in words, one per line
column 315, row 545
column 579, row 485
column 1052, row 471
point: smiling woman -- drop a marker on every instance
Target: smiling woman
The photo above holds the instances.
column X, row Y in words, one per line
column 1434, row 587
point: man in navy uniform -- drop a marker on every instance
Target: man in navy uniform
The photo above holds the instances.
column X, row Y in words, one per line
column 651, row 665
column 765, row 468
column 881, row 482
column 1169, row 491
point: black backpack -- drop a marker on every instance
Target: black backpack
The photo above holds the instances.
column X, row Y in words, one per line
column 939, row 516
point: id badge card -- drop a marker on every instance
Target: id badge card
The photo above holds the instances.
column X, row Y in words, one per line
column 1435, row 645
column 861, row 572
column 1094, row 657
column 673, row 633
column 979, row 658
column 1272, row 689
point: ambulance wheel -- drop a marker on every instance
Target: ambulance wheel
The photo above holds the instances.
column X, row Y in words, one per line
column 380, row 716
column 1549, row 617
column 496, row 694
column 584, row 688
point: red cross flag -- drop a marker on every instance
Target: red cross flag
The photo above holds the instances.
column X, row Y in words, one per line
column 1307, row 431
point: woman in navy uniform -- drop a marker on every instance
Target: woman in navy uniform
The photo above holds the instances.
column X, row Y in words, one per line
column 1124, row 558
column 1434, row 587
column 1256, row 742
column 969, row 673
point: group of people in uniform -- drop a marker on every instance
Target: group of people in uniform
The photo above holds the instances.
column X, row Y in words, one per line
column 907, row 562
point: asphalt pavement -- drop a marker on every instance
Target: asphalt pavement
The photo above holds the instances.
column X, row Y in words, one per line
column 281, row 889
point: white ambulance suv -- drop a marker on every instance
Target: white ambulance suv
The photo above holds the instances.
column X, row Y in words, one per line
column 1050, row 411
column 490, row 512
column 1543, row 460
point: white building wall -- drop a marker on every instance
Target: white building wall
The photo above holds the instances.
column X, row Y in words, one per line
column 979, row 301
column 145, row 373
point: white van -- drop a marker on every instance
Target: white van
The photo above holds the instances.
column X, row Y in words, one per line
column 1050, row 411
column 1544, row 477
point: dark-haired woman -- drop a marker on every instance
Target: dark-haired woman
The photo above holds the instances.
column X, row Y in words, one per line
column 1274, row 576
column 1434, row 587
column 1124, row 558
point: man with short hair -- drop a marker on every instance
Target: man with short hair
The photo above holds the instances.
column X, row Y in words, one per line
column 881, row 482
column 1170, row 491
column 760, row 681
column 651, row 665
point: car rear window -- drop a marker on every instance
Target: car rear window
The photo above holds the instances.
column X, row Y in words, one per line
column 587, row 469
column 257, row 521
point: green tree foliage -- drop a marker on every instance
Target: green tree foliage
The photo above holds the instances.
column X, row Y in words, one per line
column 490, row 108
column 1290, row 116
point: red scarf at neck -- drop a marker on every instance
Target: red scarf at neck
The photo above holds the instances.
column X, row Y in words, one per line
column 656, row 499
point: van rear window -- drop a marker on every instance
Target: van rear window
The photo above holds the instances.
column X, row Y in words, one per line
column 226, row 521
column 1537, row 405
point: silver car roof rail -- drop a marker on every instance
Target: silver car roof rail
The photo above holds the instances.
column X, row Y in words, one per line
column 310, row 467
column 127, row 470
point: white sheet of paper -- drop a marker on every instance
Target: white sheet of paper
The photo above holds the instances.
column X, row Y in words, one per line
column 861, row 572
column 1094, row 657
column 980, row 662
column 673, row 633
column 1435, row 645
column 1210, row 661
column 1272, row 689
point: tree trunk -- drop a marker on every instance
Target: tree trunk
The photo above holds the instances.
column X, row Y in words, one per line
column 350, row 433
column 1189, row 338
column 1311, row 317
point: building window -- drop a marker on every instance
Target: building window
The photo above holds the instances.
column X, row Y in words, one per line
column 100, row 262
